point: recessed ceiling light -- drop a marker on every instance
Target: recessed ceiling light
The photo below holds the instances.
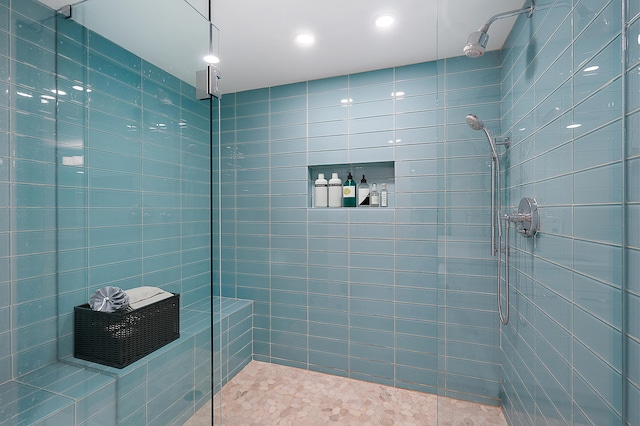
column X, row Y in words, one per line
column 574, row 126
column 305, row 39
column 593, row 68
column 211, row 59
column 384, row 21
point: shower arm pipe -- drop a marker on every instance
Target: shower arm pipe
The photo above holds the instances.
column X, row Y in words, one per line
column 528, row 10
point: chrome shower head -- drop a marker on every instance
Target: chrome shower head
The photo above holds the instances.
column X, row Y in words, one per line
column 474, row 122
column 476, row 44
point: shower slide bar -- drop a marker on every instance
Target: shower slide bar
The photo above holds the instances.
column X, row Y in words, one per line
column 526, row 217
column 527, row 220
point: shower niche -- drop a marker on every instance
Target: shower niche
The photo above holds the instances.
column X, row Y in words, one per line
column 374, row 172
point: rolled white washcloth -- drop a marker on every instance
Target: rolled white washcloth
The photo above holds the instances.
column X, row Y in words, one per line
column 146, row 295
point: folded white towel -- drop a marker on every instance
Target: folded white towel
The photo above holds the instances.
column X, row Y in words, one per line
column 143, row 296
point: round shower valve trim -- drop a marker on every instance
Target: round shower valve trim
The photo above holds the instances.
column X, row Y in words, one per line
column 526, row 218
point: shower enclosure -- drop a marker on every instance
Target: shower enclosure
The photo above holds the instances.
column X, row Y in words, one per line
column 143, row 184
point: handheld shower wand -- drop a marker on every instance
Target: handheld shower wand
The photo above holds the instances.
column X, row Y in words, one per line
column 496, row 207
column 477, row 42
column 476, row 124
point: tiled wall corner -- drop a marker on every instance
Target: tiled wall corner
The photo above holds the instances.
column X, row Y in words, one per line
column 561, row 352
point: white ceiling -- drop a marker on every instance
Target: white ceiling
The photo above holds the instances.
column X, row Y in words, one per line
column 256, row 38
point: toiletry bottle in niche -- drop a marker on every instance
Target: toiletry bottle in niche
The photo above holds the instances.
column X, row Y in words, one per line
column 374, row 197
column 349, row 192
column 321, row 191
column 363, row 193
column 383, row 195
column 335, row 191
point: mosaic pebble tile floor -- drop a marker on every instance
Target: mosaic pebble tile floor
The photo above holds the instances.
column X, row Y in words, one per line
column 271, row 394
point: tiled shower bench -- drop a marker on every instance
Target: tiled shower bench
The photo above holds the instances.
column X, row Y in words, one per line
column 166, row 387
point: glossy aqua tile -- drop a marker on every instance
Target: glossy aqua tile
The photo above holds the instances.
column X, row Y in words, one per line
column 416, row 71
column 4, row 67
column 604, row 67
column 600, row 376
column 152, row 72
column 592, row 404
column 110, row 105
column 249, row 96
column 472, row 95
column 602, row 183
column 328, row 84
column 112, row 51
column 33, row 125
column 633, row 303
column 555, row 105
column 120, row 90
column 121, row 126
column 475, row 78
column 415, row 88
column 325, row 99
column 416, row 119
column 634, row 394
column 113, row 68
column 598, row 32
column 633, row 49
column 40, row 80
column 288, row 90
column 326, row 114
column 415, row 103
column 4, row 20
column 610, row 231
column 371, row 78
column 114, row 162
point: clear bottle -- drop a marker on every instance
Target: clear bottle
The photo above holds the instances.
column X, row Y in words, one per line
column 321, row 192
column 383, row 195
column 374, row 196
column 349, row 192
column 363, row 193
column 335, row 191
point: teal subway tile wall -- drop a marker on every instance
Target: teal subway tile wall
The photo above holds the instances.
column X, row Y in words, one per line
column 402, row 295
column 562, row 359
column 28, row 219
column 112, row 188
column 631, row 235
column 406, row 297
column 133, row 176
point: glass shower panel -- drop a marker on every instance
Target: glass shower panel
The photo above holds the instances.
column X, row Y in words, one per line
column 469, row 350
column 134, row 186
column 543, row 84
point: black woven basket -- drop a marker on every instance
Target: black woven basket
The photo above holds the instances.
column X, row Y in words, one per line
column 120, row 338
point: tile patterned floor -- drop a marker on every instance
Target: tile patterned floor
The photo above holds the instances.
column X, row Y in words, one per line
column 271, row 394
